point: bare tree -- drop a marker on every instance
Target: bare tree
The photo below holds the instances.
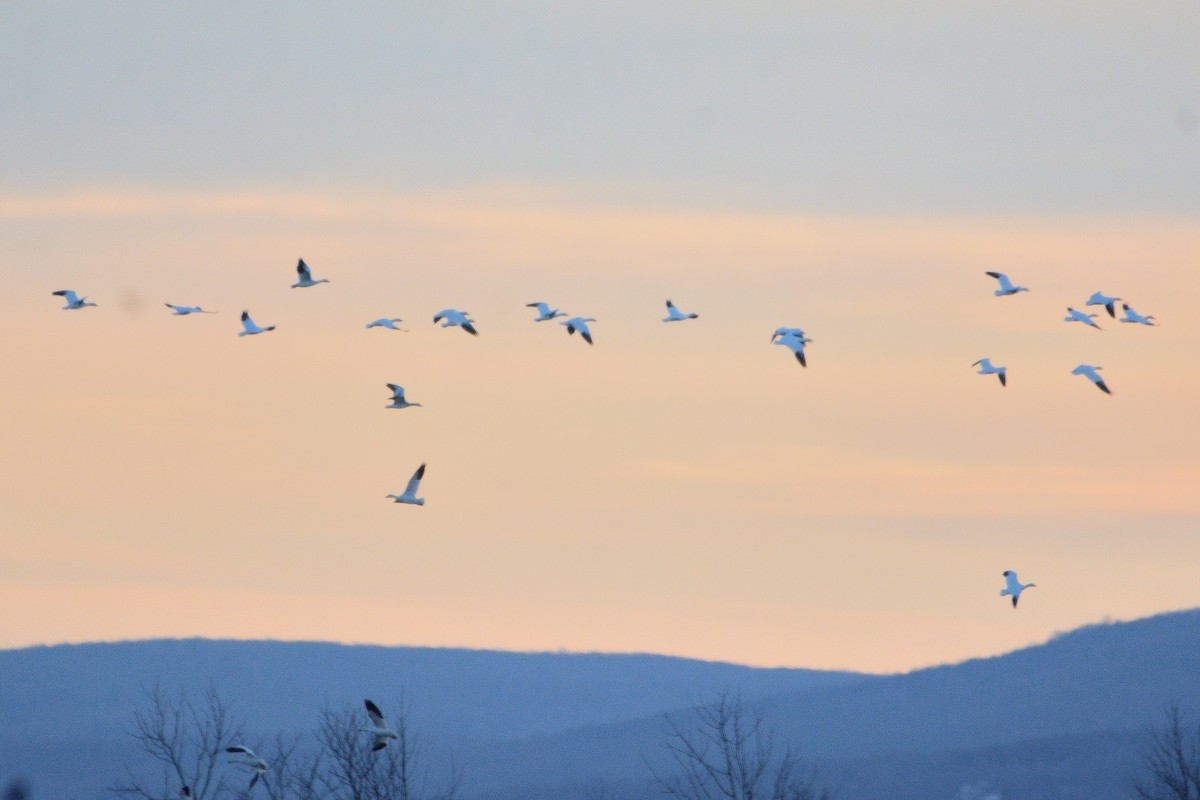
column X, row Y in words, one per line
column 188, row 741
column 722, row 750
column 1172, row 759
column 356, row 772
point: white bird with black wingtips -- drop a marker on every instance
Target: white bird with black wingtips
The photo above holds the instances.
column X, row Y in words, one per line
column 306, row 278
column 675, row 315
column 386, row 322
column 579, row 325
column 1090, row 372
column 183, row 311
column 795, row 343
column 986, row 367
column 74, row 301
column 1135, row 317
column 249, row 328
column 1006, row 286
column 453, row 318
column 398, row 399
column 1101, row 299
column 545, row 312
column 1074, row 315
column 247, row 758
column 380, row 729
column 410, row 492
column 1013, row 587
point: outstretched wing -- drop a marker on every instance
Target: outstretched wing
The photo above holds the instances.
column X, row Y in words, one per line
column 67, row 295
column 375, row 714
column 415, row 481
column 397, row 392
column 1005, row 283
column 303, row 270
column 469, row 328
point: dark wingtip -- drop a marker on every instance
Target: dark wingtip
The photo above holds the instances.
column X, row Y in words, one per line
column 467, row 327
column 371, row 707
column 421, row 471
column 1015, row 598
column 1003, row 380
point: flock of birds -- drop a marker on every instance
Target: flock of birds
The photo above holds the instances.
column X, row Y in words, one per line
column 792, row 338
column 1089, row 371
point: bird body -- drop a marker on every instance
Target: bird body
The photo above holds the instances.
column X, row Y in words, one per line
column 986, row 367
column 1006, row 286
column 306, row 278
column 452, row 317
column 787, row 332
column 675, row 315
column 579, row 324
column 795, row 343
column 1090, row 372
column 385, row 322
column 545, row 312
column 247, row 758
column 1074, row 315
column 1101, row 299
column 379, row 727
column 183, row 311
column 73, row 300
column 410, row 492
column 1135, row 317
column 398, row 400
column 1013, row 587
column 249, row 328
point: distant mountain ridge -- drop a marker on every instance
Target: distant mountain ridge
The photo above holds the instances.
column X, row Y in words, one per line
column 1062, row 719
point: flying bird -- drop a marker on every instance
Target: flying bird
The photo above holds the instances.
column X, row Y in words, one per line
column 795, row 343
column 1101, row 299
column 410, row 491
column 1074, row 315
column 579, row 324
column 1013, row 587
column 250, row 327
column 306, row 278
column 986, row 367
column 386, row 322
column 787, row 332
column 398, row 400
column 74, row 301
column 1006, row 286
column 545, row 312
column 1135, row 317
column 675, row 315
column 247, row 758
column 1089, row 371
column 381, row 731
column 183, row 311
column 452, row 317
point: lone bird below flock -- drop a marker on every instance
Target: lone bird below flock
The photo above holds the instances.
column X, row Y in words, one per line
column 675, row 315
column 1133, row 316
column 545, row 312
column 410, row 491
column 249, row 759
column 1006, row 286
column 1089, row 371
column 250, row 329
column 306, row 278
column 986, row 367
column 1074, row 315
column 386, row 322
column 183, row 311
column 1013, row 587
column 453, row 318
column 380, row 729
column 579, row 324
column 74, row 301
column 795, row 343
column 1101, row 299
column 398, row 400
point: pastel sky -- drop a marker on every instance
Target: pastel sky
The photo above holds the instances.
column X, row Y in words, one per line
column 684, row 489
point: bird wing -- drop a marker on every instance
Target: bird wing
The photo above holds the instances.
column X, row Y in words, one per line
column 376, row 715
column 1011, row 584
column 542, row 308
column 415, row 481
column 68, row 295
column 469, row 328
column 1100, row 382
column 1005, row 283
column 586, row 334
column 1003, row 377
column 237, row 748
column 303, row 270
column 397, row 392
